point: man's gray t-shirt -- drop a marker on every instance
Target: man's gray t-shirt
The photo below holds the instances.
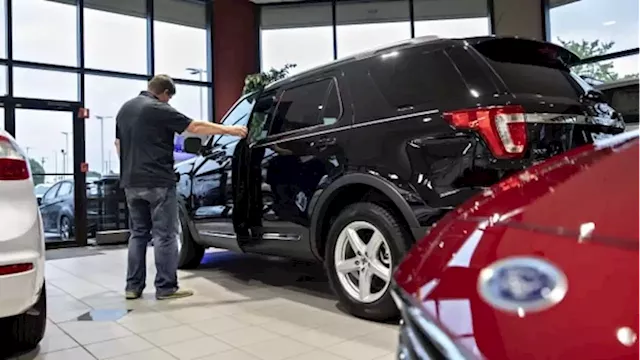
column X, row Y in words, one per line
column 146, row 128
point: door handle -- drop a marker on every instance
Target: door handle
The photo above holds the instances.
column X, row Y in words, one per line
column 323, row 142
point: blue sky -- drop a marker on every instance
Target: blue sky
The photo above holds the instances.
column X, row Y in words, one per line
column 45, row 32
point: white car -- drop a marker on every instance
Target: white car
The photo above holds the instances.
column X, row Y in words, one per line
column 23, row 309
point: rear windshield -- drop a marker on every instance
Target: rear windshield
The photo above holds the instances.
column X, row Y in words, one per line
column 529, row 67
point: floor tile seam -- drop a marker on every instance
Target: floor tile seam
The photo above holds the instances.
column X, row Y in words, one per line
column 67, row 349
column 141, row 351
column 104, row 341
column 200, row 335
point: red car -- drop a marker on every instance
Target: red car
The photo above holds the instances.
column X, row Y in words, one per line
column 544, row 265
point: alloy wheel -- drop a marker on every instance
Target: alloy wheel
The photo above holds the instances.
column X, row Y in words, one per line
column 65, row 229
column 363, row 261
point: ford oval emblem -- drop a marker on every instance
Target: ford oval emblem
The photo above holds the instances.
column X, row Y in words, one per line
column 522, row 285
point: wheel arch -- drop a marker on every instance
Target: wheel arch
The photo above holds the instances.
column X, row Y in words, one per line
column 183, row 213
column 349, row 189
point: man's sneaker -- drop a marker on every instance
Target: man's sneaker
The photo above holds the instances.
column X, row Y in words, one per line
column 132, row 295
column 175, row 295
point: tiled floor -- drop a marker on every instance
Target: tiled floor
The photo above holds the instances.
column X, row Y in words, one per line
column 245, row 308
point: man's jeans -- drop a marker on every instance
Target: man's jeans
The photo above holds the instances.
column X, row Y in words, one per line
column 153, row 212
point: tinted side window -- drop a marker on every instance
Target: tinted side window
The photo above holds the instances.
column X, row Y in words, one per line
column 238, row 116
column 331, row 110
column 51, row 194
column 415, row 77
column 300, row 107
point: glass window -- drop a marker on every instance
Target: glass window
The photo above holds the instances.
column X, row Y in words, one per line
column 3, row 40
column 594, row 27
column 298, row 34
column 332, row 108
column 610, row 70
column 45, row 32
column 300, row 107
column 451, row 18
column 192, row 101
column 3, row 80
column 239, row 115
column 114, row 28
column 180, row 39
column 48, row 137
column 45, row 84
column 51, row 193
column 365, row 25
column 66, row 189
column 408, row 80
column 104, row 96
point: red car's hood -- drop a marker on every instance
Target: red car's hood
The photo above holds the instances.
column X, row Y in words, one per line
column 578, row 212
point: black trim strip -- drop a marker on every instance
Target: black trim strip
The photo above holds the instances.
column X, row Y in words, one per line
column 412, row 19
column 80, row 47
column 605, row 57
column 9, row 37
column 209, row 12
column 151, row 69
column 492, row 18
column 544, row 18
column 335, row 28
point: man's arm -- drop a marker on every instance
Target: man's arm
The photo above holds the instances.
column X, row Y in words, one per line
column 179, row 123
column 199, row 127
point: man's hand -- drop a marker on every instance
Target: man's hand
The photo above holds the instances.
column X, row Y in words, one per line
column 237, row 130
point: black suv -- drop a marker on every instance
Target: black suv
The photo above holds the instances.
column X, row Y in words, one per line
column 351, row 162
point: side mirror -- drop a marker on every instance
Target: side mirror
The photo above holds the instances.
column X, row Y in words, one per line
column 192, row 145
column 39, row 201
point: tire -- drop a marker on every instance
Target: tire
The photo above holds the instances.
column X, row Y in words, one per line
column 379, row 306
column 190, row 253
column 65, row 223
column 24, row 332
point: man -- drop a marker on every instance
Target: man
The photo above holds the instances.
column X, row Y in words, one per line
column 145, row 130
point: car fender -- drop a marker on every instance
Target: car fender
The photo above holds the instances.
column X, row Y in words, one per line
column 383, row 185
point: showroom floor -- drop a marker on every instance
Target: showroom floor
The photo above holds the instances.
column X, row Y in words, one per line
column 245, row 308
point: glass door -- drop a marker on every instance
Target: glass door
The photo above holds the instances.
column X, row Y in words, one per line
column 50, row 136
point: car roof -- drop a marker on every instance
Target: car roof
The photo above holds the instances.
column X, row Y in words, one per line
column 408, row 43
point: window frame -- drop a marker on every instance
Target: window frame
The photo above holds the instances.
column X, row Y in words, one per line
column 333, row 83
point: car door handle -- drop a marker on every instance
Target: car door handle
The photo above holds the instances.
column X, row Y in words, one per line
column 323, row 142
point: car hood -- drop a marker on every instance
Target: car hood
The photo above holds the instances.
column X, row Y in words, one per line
column 577, row 213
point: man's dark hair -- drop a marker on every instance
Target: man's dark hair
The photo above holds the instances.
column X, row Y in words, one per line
column 161, row 83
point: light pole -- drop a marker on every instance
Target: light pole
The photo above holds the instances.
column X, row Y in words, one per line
column 200, row 72
column 102, row 118
column 65, row 152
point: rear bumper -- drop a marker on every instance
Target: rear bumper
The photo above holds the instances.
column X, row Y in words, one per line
column 18, row 292
column 22, row 242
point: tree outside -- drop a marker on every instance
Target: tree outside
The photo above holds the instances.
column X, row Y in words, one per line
column 38, row 169
column 603, row 70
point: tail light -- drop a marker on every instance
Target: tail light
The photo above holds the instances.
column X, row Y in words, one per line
column 13, row 165
column 504, row 128
column 15, row 269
